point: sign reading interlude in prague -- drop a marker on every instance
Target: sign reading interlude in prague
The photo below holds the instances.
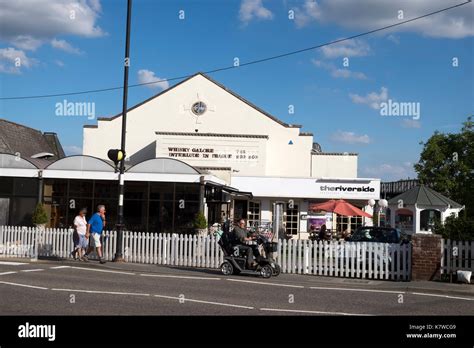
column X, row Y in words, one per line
column 194, row 152
column 244, row 154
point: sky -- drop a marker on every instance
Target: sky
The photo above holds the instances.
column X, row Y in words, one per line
column 347, row 94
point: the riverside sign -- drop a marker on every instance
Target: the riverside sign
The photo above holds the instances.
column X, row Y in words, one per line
column 308, row 187
column 347, row 189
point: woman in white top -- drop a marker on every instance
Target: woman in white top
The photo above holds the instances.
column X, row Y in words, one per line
column 79, row 236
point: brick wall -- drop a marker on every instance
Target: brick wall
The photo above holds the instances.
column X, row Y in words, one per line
column 426, row 256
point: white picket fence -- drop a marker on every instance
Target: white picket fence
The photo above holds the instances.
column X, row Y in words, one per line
column 457, row 255
column 346, row 259
column 335, row 258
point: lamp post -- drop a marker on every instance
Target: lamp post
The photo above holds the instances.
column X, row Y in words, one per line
column 383, row 204
column 371, row 204
column 118, row 254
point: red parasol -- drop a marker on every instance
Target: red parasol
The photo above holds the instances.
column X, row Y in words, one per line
column 340, row 207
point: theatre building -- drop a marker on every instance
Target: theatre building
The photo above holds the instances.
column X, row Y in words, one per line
column 200, row 146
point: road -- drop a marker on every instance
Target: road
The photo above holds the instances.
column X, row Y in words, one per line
column 80, row 288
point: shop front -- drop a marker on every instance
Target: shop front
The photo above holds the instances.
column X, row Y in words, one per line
column 297, row 196
column 161, row 195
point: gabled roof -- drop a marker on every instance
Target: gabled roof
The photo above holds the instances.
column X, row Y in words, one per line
column 423, row 195
column 17, row 138
column 214, row 82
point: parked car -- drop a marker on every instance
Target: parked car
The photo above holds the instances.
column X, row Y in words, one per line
column 378, row 235
column 374, row 234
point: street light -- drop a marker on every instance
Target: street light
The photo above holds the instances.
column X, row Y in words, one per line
column 383, row 204
column 121, row 153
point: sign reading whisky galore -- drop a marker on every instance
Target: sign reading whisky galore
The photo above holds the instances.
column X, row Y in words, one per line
column 244, row 153
column 213, row 153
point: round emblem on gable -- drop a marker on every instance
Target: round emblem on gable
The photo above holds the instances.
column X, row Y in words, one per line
column 199, row 108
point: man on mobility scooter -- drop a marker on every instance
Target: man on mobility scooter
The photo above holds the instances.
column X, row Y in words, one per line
column 239, row 251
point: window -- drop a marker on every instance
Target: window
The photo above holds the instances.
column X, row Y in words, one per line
column 347, row 223
column 342, row 224
column 253, row 213
column 291, row 219
column 356, row 222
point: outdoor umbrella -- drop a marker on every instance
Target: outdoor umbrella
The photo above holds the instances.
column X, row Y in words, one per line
column 340, row 207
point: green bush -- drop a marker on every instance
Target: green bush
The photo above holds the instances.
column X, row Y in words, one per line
column 200, row 221
column 40, row 216
column 455, row 228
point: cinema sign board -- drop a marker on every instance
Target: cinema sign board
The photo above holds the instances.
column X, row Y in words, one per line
column 311, row 188
column 350, row 190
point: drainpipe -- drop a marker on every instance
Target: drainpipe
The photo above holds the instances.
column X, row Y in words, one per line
column 201, row 194
column 40, row 186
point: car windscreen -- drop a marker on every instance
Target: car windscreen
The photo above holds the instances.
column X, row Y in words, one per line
column 375, row 235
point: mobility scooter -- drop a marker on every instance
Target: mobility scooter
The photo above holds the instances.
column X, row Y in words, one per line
column 235, row 261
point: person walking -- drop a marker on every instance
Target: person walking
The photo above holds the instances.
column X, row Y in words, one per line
column 95, row 227
column 79, row 236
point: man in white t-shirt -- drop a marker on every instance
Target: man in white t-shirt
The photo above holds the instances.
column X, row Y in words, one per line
column 80, row 239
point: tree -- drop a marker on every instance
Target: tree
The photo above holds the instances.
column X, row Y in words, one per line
column 456, row 228
column 446, row 164
column 200, row 221
column 40, row 216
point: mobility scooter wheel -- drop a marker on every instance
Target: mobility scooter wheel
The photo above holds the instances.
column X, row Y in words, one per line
column 276, row 270
column 266, row 271
column 227, row 268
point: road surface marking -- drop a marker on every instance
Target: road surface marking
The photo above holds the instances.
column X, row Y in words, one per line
column 264, row 283
column 310, row 312
column 11, row 272
column 184, row 299
column 59, row 267
column 24, row 285
column 102, row 270
column 353, row 289
column 12, row 263
column 183, row 277
column 102, row 292
column 444, row 296
column 32, row 270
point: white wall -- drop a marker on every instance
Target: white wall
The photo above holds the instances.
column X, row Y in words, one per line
column 334, row 166
column 227, row 114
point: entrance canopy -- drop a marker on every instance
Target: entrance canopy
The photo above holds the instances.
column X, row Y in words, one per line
column 92, row 168
column 12, row 165
column 80, row 167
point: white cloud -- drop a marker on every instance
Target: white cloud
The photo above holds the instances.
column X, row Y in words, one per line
column 409, row 123
column 72, row 150
column 253, row 9
column 146, row 76
column 339, row 73
column 309, row 12
column 350, row 137
column 372, row 99
column 59, row 63
column 394, row 39
column 371, row 14
column 349, row 48
column 29, row 24
column 389, row 172
column 65, row 46
column 25, row 42
column 12, row 60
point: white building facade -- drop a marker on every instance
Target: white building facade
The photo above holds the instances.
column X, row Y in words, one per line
column 207, row 126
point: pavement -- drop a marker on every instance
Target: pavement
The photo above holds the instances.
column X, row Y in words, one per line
column 87, row 288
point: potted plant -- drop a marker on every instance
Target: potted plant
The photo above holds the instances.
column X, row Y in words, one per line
column 200, row 224
column 40, row 217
